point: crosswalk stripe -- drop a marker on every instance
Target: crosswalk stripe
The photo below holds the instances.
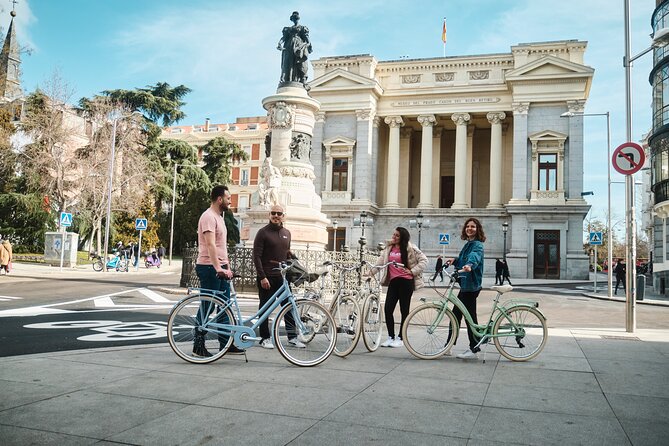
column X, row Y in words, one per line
column 154, row 296
column 10, row 298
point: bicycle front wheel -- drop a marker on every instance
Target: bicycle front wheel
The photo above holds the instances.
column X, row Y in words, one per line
column 311, row 341
column 425, row 331
column 372, row 322
column 189, row 333
column 520, row 334
column 346, row 314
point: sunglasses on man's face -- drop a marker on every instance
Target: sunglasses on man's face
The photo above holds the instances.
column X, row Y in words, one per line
column 276, row 213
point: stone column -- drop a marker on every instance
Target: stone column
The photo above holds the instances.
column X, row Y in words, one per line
column 470, row 163
column 393, row 173
column 425, row 201
column 376, row 121
column 436, row 164
column 317, row 151
column 573, row 168
column 520, row 163
column 460, row 120
column 363, row 158
column 403, row 185
column 495, row 119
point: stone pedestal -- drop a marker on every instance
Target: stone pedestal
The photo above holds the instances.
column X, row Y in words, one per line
column 288, row 179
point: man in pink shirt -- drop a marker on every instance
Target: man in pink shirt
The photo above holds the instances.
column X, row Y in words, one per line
column 212, row 265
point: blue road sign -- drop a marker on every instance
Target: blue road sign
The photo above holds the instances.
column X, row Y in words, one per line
column 596, row 238
column 65, row 219
column 444, row 239
column 140, row 224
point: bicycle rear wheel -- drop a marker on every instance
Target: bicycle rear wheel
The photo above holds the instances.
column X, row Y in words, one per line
column 188, row 332
column 97, row 265
column 372, row 322
column 425, row 331
column 312, row 344
column 346, row 314
column 521, row 334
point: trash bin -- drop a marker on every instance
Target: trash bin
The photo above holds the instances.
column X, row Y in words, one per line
column 640, row 286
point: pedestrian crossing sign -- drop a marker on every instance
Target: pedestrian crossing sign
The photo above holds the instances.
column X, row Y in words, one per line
column 595, row 238
column 444, row 239
column 65, row 219
column 140, row 224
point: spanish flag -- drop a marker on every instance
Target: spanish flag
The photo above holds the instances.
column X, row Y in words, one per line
column 443, row 32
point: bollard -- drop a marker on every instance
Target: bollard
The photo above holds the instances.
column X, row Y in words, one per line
column 640, row 286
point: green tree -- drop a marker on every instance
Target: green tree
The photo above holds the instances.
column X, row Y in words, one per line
column 220, row 155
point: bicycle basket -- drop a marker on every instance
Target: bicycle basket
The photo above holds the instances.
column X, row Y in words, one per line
column 298, row 274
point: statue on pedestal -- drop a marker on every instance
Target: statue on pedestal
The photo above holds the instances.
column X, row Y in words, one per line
column 295, row 48
column 268, row 188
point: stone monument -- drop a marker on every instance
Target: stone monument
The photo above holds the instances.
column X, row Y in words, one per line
column 287, row 175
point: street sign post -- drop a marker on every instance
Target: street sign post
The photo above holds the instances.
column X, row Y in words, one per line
column 444, row 239
column 596, row 240
column 140, row 225
column 65, row 222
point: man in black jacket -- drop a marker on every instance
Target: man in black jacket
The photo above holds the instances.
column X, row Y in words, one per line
column 272, row 245
column 620, row 271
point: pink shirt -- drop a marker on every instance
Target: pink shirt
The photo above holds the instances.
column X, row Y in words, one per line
column 395, row 255
column 210, row 221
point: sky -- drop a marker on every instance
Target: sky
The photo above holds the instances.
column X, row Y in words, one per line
column 225, row 51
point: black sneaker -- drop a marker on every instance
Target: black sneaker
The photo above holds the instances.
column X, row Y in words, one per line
column 198, row 347
column 234, row 350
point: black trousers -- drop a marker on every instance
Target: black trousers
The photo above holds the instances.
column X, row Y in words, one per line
column 468, row 298
column 618, row 281
column 398, row 290
column 439, row 273
column 265, row 295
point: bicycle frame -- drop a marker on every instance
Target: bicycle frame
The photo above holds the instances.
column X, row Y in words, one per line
column 244, row 335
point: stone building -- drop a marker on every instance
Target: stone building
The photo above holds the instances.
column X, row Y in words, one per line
column 454, row 137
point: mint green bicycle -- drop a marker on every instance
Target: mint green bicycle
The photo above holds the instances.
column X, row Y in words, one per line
column 516, row 327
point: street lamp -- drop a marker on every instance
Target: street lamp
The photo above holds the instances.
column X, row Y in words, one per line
column 505, row 228
column 609, row 259
column 174, row 196
column 335, row 225
column 420, row 223
column 660, row 39
column 363, row 221
column 115, row 117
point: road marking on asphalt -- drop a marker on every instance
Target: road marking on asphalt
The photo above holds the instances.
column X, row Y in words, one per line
column 154, row 296
column 49, row 309
column 6, row 298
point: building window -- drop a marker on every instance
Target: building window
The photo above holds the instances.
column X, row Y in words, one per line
column 247, row 149
column 175, row 130
column 243, row 202
column 548, row 171
column 245, row 176
column 339, row 174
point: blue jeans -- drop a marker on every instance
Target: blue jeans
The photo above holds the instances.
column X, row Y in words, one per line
column 209, row 280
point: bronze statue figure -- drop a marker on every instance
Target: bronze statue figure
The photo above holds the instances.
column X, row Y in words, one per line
column 295, row 48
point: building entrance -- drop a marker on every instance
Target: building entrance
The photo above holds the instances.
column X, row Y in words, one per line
column 546, row 254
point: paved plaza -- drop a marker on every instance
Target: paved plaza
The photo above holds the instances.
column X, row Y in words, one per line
column 593, row 384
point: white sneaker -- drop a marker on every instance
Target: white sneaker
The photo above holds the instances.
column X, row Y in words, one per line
column 397, row 343
column 388, row 342
column 468, row 355
column 267, row 343
column 295, row 343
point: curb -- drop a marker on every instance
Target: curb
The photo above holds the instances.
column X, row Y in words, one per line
column 656, row 303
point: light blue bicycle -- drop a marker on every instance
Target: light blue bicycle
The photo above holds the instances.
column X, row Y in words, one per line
column 303, row 331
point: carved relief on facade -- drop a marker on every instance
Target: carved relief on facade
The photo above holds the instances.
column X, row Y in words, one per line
column 427, row 120
column 460, row 118
column 410, row 78
column 496, row 117
column 520, row 108
column 444, row 77
column 300, row 147
column 394, row 121
column 479, row 75
column 281, row 116
column 297, row 172
column 576, row 106
column 365, row 115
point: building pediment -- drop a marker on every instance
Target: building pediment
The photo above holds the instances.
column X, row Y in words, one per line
column 547, row 135
column 341, row 79
column 549, row 67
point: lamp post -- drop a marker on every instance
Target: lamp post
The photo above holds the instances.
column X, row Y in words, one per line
column 505, row 228
column 174, row 196
column 335, row 225
column 609, row 237
column 115, row 117
column 419, row 222
column 660, row 39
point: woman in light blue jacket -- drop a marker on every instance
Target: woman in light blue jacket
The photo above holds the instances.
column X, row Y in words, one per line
column 470, row 261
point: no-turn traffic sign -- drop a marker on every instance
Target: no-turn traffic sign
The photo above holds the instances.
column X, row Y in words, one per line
column 628, row 158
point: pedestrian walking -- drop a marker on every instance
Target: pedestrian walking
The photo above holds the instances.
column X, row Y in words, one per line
column 439, row 269
column 470, row 262
column 5, row 257
column 161, row 251
column 401, row 280
column 212, row 265
column 505, row 273
column 621, row 272
column 499, row 271
column 270, row 246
